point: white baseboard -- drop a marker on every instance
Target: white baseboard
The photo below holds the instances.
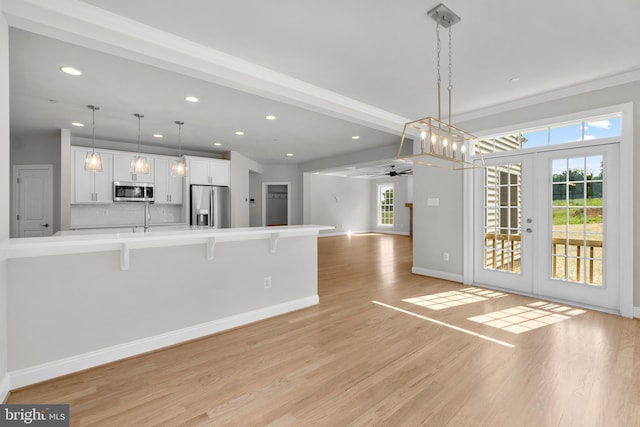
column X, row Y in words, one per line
column 438, row 274
column 46, row 371
column 4, row 388
column 636, row 312
column 345, row 233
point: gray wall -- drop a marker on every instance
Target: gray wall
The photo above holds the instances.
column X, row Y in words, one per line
column 277, row 173
column 39, row 150
column 344, row 203
column 400, row 211
column 4, row 187
column 255, row 194
column 241, row 168
column 431, row 225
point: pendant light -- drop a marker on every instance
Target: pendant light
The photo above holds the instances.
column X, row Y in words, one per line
column 442, row 144
column 139, row 165
column 179, row 167
column 93, row 161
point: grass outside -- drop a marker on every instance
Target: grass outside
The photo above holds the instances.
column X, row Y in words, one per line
column 574, row 211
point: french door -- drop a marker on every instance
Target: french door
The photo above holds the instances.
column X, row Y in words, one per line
column 544, row 224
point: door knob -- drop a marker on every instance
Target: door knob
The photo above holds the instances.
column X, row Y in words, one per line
column 44, row 225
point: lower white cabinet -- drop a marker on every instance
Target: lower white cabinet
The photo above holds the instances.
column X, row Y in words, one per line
column 91, row 187
column 168, row 188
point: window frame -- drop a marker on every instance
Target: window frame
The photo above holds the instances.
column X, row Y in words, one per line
column 381, row 188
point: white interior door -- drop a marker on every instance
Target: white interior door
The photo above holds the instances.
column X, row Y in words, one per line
column 544, row 225
column 34, row 200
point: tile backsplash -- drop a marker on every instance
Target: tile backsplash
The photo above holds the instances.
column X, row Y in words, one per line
column 123, row 214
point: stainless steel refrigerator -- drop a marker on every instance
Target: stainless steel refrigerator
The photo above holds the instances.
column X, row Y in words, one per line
column 210, row 206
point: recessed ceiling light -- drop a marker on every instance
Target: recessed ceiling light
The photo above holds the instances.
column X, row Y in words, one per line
column 191, row 98
column 355, row 137
column 270, row 117
column 77, row 124
column 158, row 135
column 239, row 132
column 71, row 71
column 515, row 80
column 217, row 144
column 289, row 154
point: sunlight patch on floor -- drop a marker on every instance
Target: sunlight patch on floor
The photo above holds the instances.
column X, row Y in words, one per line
column 446, row 325
column 449, row 299
column 526, row 318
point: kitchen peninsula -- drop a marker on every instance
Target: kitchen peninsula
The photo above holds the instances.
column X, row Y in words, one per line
column 77, row 301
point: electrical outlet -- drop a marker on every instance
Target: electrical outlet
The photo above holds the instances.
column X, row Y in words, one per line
column 267, row 282
column 445, row 256
column 105, row 212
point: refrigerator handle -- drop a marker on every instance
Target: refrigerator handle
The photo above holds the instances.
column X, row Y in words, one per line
column 211, row 206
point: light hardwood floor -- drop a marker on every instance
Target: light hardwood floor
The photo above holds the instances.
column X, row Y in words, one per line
column 365, row 356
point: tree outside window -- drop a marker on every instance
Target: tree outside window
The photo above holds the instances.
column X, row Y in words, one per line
column 385, row 204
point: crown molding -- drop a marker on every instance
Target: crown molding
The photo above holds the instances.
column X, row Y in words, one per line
column 604, row 83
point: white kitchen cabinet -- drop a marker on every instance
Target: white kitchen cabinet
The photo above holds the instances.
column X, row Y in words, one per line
column 122, row 169
column 208, row 171
column 168, row 188
column 91, row 187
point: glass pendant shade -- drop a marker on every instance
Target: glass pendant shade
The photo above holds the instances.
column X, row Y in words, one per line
column 179, row 168
column 93, row 162
column 139, row 165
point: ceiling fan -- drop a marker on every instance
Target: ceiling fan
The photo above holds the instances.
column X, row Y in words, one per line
column 393, row 172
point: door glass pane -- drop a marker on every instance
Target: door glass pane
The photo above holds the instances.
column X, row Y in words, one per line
column 577, row 222
column 503, row 217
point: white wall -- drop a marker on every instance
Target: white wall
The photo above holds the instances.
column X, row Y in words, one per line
column 344, row 203
column 400, row 211
column 4, row 193
column 241, row 168
column 73, row 316
column 431, row 224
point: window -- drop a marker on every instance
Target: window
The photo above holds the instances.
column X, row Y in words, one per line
column 385, row 204
column 562, row 133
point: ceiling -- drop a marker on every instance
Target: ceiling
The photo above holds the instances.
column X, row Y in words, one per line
column 375, row 56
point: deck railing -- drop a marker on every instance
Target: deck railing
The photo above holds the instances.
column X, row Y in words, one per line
column 505, row 245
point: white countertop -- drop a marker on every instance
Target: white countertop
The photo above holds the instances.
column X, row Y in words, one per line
column 80, row 242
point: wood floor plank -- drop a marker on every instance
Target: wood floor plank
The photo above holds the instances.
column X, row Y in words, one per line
column 351, row 361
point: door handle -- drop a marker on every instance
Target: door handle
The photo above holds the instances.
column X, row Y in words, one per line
column 44, row 225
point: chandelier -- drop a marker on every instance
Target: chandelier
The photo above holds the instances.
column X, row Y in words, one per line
column 441, row 143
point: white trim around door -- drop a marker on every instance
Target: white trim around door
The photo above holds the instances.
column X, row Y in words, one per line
column 624, row 209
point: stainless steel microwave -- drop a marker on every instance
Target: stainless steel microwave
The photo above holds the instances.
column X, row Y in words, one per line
column 133, row 191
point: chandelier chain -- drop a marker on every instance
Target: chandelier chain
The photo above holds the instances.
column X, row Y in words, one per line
column 438, row 49
column 450, row 60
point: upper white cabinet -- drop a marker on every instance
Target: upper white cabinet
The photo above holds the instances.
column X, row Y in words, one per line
column 168, row 188
column 208, row 171
column 122, row 169
column 91, row 187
